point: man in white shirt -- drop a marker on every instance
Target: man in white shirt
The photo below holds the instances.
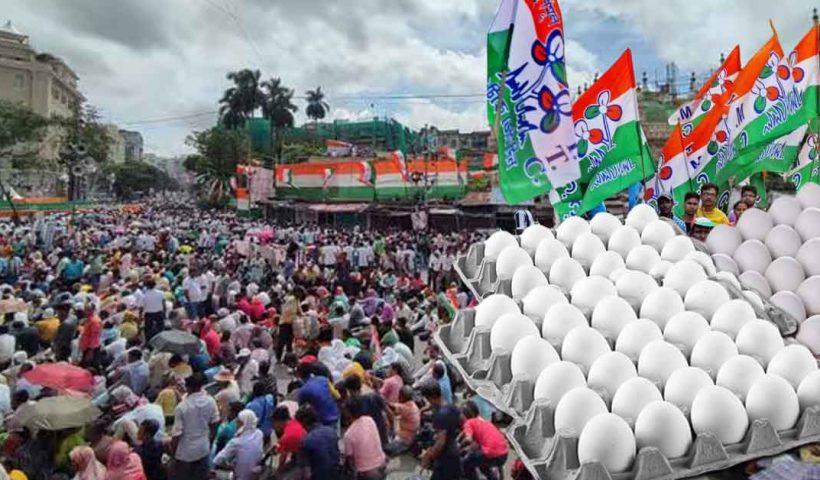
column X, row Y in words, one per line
column 7, row 344
column 194, row 295
column 435, row 269
column 365, row 256
column 152, row 304
column 329, row 253
column 195, row 422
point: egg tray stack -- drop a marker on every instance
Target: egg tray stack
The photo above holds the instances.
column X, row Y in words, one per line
column 551, row 454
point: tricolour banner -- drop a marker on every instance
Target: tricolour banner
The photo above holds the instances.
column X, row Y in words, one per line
column 611, row 147
column 721, row 81
column 535, row 131
column 807, row 168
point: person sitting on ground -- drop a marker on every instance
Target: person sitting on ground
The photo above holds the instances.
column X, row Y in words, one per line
column 409, row 420
column 289, row 434
column 150, row 450
column 443, row 457
column 484, row 444
column 319, row 453
column 316, row 392
column 245, row 451
column 362, row 448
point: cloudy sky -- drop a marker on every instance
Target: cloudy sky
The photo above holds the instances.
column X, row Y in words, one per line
column 158, row 66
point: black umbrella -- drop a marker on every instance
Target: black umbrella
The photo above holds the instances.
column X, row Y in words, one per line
column 176, row 341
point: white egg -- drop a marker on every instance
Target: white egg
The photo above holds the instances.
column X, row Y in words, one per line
column 785, row 273
column 683, row 386
column 755, row 282
column 660, row 305
column 548, row 252
column 642, row 258
column 525, row 279
column 658, row 360
column 712, row 351
column 565, row 272
column 509, row 260
column 793, row 363
column 632, row 396
column 603, row 224
column 677, row 248
column 808, row 393
column 539, row 300
column 730, row 317
column 570, row 229
column 609, row 371
column 606, row 263
column 809, row 334
column 791, row 303
column 663, row 426
column 611, row 315
column 587, row 248
column 752, row 255
column 492, row 308
column 704, row 260
column 607, row 439
column 640, row 216
column 759, row 339
column 509, row 329
column 785, row 210
column 724, row 239
column 683, row 275
column 725, row 263
column 718, row 411
column 730, row 278
column 660, row 270
column 497, row 242
column 705, row 297
column 809, row 195
column 623, row 240
column 684, row 330
column 531, row 355
column 808, row 223
column 635, row 286
column 657, row 233
column 556, row 380
column 783, row 241
column 772, row 398
column 616, row 274
column 738, row 374
column 583, row 345
column 559, row 320
column 575, row 409
column 809, row 292
column 755, row 224
column 754, row 300
column 635, row 335
column 532, row 236
column 588, row 291
column 809, row 256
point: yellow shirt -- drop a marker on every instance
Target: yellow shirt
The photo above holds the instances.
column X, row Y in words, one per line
column 715, row 215
column 47, row 328
column 167, row 399
column 129, row 330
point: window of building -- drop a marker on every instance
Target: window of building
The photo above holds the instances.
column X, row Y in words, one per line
column 19, row 80
column 55, row 93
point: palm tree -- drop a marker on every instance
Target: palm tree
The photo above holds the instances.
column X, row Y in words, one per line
column 317, row 106
column 277, row 107
column 239, row 102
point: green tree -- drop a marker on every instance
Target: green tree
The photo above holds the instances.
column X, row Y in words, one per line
column 278, row 108
column 219, row 151
column 240, row 101
column 139, row 177
column 20, row 129
column 317, row 107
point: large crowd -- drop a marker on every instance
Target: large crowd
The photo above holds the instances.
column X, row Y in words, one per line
column 169, row 342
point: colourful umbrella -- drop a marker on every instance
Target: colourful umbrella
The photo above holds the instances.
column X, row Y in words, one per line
column 60, row 376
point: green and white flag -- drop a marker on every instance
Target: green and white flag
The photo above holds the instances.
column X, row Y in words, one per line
column 498, row 49
column 535, row 131
column 807, row 169
column 611, row 146
column 778, row 156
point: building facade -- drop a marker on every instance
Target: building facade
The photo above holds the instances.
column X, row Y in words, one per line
column 133, row 145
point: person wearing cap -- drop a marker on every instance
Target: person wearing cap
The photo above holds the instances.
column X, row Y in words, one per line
column 702, row 228
column 708, row 205
column 665, row 204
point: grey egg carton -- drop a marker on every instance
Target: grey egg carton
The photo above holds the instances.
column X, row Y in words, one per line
column 551, row 455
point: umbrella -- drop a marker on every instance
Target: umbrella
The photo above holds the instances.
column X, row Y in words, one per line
column 176, row 341
column 60, row 376
column 57, row 413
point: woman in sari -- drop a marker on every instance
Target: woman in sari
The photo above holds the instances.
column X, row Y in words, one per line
column 123, row 464
column 86, row 464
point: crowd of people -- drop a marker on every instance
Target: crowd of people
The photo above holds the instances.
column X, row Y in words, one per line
column 700, row 211
column 206, row 345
